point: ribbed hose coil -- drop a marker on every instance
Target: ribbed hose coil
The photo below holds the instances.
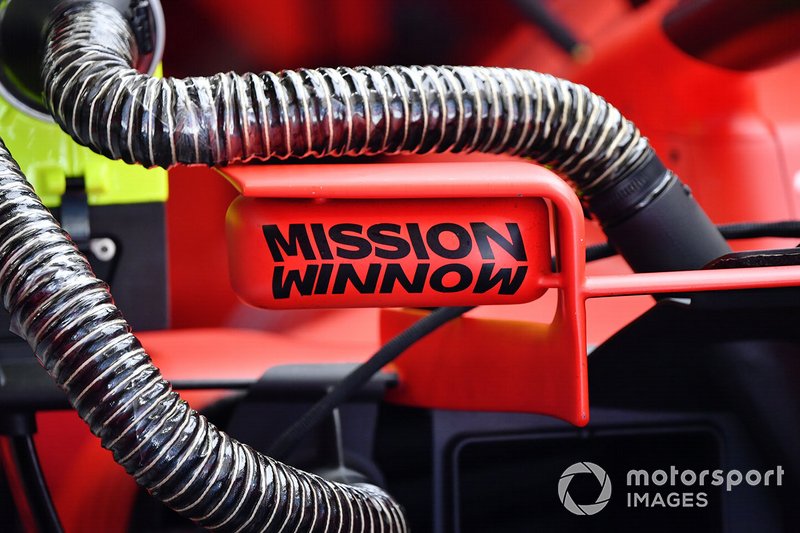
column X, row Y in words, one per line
column 70, row 321
column 97, row 97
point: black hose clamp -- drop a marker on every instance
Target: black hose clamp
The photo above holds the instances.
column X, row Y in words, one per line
column 631, row 193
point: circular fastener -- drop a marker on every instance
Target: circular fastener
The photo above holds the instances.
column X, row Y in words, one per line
column 104, row 249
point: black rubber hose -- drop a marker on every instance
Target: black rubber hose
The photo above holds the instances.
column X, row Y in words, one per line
column 70, row 321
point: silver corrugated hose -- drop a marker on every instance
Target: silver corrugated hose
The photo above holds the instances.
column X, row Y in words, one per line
column 103, row 103
column 99, row 99
column 70, row 321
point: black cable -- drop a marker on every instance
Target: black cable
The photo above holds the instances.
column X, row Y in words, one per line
column 753, row 230
column 361, row 375
column 30, row 471
column 740, row 230
column 556, row 30
column 212, row 384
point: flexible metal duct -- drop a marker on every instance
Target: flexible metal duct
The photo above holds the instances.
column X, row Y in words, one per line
column 96, row 96
column 68, row 317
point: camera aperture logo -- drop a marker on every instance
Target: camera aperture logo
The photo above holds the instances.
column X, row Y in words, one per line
column 584, row 467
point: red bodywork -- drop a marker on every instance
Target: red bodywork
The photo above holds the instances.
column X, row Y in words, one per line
column 539, row 367
column 732, row 136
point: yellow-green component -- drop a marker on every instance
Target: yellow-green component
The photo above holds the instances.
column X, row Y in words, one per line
column 48, row 156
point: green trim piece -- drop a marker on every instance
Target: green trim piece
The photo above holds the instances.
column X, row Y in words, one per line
column 48, row 156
